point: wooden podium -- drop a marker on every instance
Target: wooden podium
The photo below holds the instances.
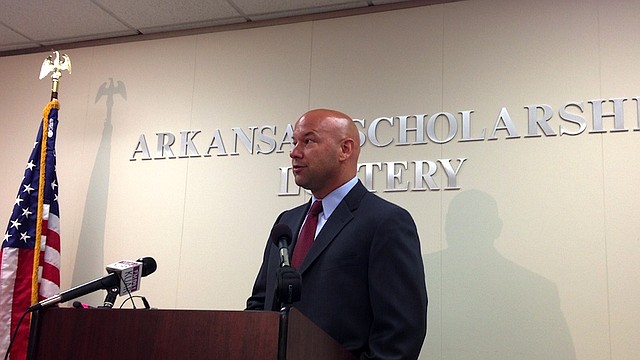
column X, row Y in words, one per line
column 96, row 334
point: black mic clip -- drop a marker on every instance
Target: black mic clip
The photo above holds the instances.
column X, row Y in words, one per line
column 110, row 299
column 288, row 286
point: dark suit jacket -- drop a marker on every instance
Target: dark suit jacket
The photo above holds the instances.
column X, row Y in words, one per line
column 363, row 279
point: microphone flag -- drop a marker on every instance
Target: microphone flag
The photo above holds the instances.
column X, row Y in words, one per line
column 129, row 272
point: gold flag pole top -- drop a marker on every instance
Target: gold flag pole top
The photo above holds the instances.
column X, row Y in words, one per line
column 55, row 63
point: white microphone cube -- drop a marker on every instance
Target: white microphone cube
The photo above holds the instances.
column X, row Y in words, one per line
column 129, row 272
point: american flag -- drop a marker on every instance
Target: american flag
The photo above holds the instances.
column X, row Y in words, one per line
column 30, row 261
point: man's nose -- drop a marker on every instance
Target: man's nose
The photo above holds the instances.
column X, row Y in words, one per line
column 294, row 153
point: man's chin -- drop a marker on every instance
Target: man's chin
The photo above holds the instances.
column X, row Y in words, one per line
column 301, row 182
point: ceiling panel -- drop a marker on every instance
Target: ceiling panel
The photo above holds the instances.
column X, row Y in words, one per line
column 33, row 25
column 170, row 14
column 264, row 8
column 57, row 21
column 12, row 40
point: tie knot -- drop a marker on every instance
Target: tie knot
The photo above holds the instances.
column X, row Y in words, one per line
column 316, row 208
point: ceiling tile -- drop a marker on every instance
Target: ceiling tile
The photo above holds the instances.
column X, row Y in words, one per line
column 252, row 7
column 48, row 20
column 143, row 14
column 11, row 40
column 307, row 11
column 34, row 24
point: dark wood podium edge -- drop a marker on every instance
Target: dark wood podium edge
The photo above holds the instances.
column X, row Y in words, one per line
column 303, row 339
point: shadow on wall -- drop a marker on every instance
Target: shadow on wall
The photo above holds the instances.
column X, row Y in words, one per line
column 482, row 305
column 89, row 262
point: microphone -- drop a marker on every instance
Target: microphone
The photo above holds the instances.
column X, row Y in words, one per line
column 129, row 273
column 148, row 265
column 79, row 305
column 288, row 280
column 281, row 237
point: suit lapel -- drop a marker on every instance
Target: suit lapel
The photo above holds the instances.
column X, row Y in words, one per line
column 340, row 217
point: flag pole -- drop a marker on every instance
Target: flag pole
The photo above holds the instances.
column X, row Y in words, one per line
column 54, row 64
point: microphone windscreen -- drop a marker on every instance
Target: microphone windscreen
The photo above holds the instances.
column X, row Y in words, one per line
column 79, row 305
column 279, row 232
column 149, row 265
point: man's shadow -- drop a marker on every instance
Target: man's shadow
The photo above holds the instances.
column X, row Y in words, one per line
column 482, row 305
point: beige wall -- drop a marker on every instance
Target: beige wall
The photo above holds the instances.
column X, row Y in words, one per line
column 534, row 257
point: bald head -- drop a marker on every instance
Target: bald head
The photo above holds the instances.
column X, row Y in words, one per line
column 326, row 150
column 335, row 124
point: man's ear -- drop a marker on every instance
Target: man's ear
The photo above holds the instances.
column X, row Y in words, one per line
column 346, row 148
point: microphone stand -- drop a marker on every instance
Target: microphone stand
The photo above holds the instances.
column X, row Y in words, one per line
column 288, row 291
column 33, row 334
column 110, row 299
column 283, row 333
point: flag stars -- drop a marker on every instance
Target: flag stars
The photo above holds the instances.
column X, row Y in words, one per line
column 28, row 189
column 6, row 237
column 15, row 224
column 26, row 212
column 30, row 165
column 18, row 200
column 24, row 237
column 53, row 185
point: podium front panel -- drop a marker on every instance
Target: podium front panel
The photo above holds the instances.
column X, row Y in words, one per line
column 68, row 333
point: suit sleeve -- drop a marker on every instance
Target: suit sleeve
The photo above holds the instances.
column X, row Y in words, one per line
column 397, row 291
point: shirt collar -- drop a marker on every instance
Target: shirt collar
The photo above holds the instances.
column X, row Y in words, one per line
column 331, row 201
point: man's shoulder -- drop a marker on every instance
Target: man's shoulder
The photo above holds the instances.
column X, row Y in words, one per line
column 293, row 213
column 375, row 205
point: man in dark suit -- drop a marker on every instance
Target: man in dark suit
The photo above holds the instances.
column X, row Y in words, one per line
column 363, row 277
